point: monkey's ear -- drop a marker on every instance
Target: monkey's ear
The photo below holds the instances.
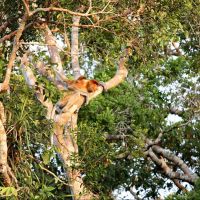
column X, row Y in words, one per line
column 81, row 78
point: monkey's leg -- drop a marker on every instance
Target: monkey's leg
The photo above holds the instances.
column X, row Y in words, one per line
column 62, row 103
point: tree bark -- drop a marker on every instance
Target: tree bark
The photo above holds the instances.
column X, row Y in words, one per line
column 176, row 160
column 5, row 170
column 5, row 85
column 75, row 48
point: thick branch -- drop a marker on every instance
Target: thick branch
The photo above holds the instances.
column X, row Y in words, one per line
column 176, row 160
column 53, row 50
column 167, row 171
column 5, row 85
column 26, row 5
column 39, row 90
column 8, row 36
column 117, row 79
column 45, row 71
column 3, row 149
column 150, row 143
column 54, row 55
column 122, row 72
column 75, row 48
column 179, row 185
column 65, row 140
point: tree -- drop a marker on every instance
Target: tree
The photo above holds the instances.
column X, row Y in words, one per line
column 123, row 137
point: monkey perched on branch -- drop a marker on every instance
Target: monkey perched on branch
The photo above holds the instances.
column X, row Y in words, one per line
column 81, row 85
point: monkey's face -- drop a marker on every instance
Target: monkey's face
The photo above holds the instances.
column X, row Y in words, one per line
column 83, row 84
column 92, row 85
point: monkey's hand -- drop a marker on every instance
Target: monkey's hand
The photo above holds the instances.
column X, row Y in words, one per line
column 102, row 84
column 86, row 96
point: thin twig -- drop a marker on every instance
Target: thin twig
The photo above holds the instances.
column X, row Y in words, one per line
column 8, row 36
column 45, row 169
column 26, row 6
column 54, row 175
column 69, row 11
column 90, row 7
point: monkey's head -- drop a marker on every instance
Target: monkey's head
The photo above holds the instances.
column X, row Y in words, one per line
column 86, row 85
column 92, row 85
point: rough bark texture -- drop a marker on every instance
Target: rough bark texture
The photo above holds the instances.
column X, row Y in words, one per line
column 53, row 51
column 176, row 160
column 75, row 48
column 161, row 157
column 39, row 90
column 4, row 171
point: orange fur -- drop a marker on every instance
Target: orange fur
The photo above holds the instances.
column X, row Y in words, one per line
column 92, row 85
column 83, row 85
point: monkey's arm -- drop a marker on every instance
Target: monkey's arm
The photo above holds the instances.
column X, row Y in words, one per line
column 86, row 96
column 64, row 103
column 103, row 85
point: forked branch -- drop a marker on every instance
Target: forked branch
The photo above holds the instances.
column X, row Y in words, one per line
column 39, row 90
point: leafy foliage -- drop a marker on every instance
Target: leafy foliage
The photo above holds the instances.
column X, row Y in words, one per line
column 137, row 109
column 187, row 196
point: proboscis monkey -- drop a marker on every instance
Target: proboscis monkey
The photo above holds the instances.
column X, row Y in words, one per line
column 82, row 85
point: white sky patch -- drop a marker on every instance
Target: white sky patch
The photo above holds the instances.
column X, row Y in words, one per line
column 170, row 88
column 122, row 194
column 172, row 119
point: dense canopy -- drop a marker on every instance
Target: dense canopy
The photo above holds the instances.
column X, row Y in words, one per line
column 136, row 130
